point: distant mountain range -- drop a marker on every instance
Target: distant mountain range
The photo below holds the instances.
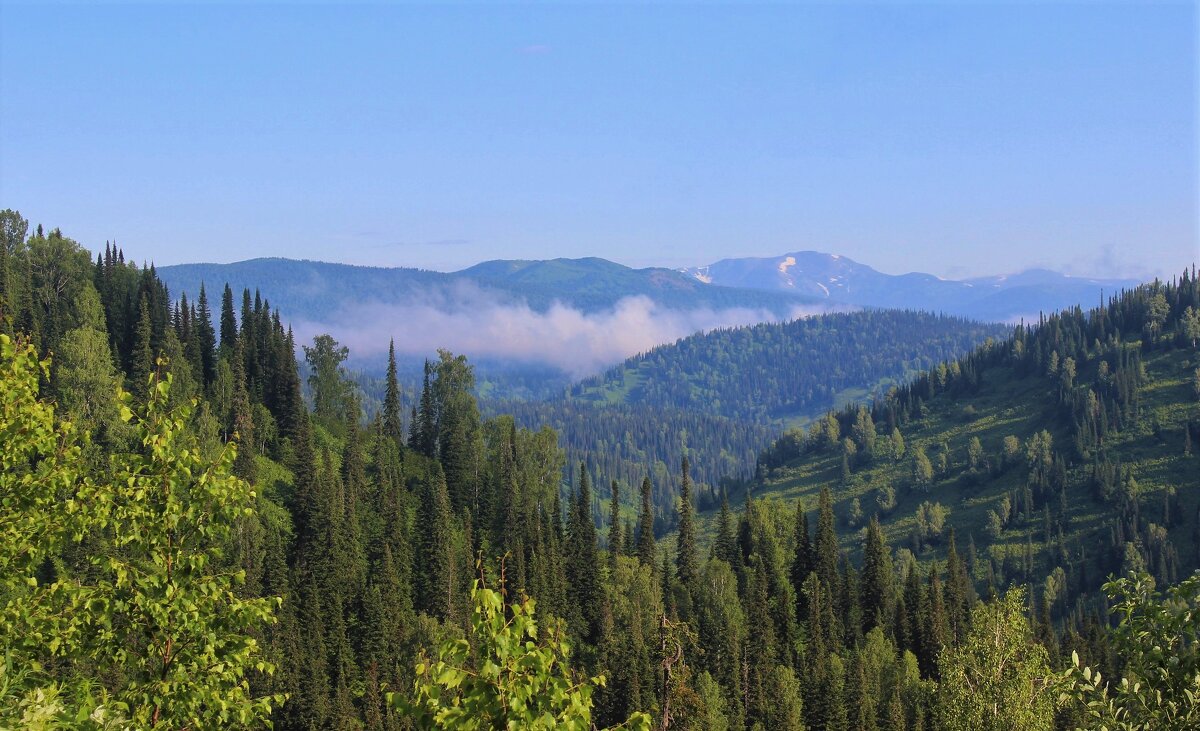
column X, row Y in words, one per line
column 835, row 278
column 311, row 290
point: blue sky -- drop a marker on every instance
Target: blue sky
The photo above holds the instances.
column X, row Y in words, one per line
column 956, row 139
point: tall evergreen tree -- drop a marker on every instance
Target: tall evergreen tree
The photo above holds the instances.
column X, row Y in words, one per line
column 935, row 630
column 826, row 549
column 615, row 541
column 761, row 648
column 725, row 544
column 860, row 697
column 434, row 555
column 143, row 352
column 206, row 339
column 646, row 547
column 802, row 562
column 686, row 554
column 960, row 594
column 241, row 422
column 229, row 328
column 585, row 594
column 876, row 579
column 414, row 430
column 391, row 398
column 427, row 424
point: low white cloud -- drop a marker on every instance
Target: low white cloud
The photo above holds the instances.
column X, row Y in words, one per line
column 473, row 322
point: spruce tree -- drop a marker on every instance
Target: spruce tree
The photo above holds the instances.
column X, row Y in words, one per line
column 894, row 718
column 434, row 559
column 725, row 544
column 960, row 593
column 414, row 430
column 241, row 423
column 630, row 536
column 206, row 340
column 646, row 547
column 826, row 550
column 935, row 632
column 143, row 354
column 229, row 328
column 310, row 708
column 615, row 541
column 860, row 697
column 876, row 579
column 391, row 398
column 909, row 636
column 584, row 592
column 760, row 646
column 802, row 562
column 427, row 429
column 685, row 542
column 835, row 689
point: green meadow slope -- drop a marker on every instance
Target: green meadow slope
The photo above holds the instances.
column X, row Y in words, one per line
column 1115, row 485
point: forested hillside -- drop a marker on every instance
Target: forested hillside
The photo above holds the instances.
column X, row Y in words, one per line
column 719, row 396
column 1058, row 456
column 625, row 442
column 778, row 371
column 188, row 542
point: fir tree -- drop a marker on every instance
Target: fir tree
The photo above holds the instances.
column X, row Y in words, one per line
column 615, row 541
column 434, row 556
column 229, row 328
column 860, row 698
column 241, row 423
column 206, row 340
column 584, row 592
column 802, row 562
column 760, row 648
column 143, row 353
column 427, row 429
column 391, row 398
column 960, row 594
column 935, row 632
column 876, row 579
column 826, row 549
column 646, row 546
column 725, row 544
column 685, row 556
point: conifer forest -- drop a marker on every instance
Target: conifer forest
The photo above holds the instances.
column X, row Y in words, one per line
column 408, row 365
column 201, row 525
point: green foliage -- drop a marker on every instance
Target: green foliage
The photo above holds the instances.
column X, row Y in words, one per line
column 166, row 614
column 39, row 475
column 154, row 613
column 1158, row 637
column 332, row 393
column 686, row 556
column 922, row 469
column 368, row 540
column 38, row 468
column 998, row 679
column 517, row 680
column 782, row 370
column 931, row 521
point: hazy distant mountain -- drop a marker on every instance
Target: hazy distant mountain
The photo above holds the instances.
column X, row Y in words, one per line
column 502, row 311
column 835, row 278
column 312, row 290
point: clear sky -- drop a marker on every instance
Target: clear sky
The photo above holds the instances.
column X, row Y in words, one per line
column 951, row 138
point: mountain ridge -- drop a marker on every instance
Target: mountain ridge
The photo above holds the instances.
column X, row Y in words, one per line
column 837, row 278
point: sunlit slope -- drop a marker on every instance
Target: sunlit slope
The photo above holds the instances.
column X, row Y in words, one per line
column 1117, row 483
